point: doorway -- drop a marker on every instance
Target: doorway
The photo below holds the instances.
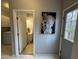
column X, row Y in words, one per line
column 69, row 30
column 24, row 31
column 6, row 43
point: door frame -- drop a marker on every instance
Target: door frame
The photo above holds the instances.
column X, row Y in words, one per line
column 15, row 40
column 65, row 11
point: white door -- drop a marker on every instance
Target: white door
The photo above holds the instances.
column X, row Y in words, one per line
column 21, row 28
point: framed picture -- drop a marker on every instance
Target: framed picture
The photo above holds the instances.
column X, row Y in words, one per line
column 48, row 22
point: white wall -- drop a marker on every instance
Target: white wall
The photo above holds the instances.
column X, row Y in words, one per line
column 43, row 43
column 29, row 23
column 5, row 21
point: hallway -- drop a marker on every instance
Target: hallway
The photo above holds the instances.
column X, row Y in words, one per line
column 39, row 29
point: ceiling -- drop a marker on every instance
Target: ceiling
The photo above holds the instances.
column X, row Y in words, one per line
column 5, row 7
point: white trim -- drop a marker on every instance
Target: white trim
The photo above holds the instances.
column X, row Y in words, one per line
column 15, row 31
column 14, row 14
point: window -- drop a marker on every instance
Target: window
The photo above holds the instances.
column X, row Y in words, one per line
column 70, row 26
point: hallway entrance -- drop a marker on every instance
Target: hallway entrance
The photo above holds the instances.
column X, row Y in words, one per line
column 24, row 31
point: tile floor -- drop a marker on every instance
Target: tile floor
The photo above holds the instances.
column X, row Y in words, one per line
column 17, row 57
column 41, row 56
column 6, row 49
column 6, row 54
column 28, row 50
column 46, row 56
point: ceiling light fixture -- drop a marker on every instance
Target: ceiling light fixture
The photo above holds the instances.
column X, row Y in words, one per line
column 6, row 5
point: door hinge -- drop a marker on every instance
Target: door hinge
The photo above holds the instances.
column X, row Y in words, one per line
column 17, row 18
column 18, row 34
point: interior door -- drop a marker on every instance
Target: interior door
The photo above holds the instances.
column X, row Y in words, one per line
column 22, row 37
column 68, row 34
